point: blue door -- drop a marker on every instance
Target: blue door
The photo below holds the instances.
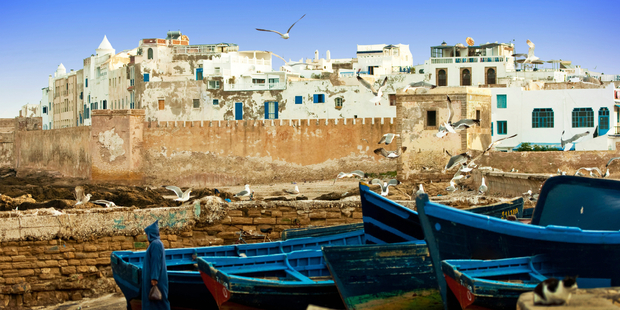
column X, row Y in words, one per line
column 603, row 121
column 238, row 111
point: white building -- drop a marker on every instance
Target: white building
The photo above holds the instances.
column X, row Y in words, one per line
column 382, row 59
column 540, row 116
column 46, row 106
column 96, row 82
column 30, row 110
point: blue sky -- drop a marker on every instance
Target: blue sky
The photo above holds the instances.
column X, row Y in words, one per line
column 39, row 35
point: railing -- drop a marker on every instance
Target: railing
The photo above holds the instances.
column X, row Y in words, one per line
column 254, row 86
column 449, row 60
column 194, row 50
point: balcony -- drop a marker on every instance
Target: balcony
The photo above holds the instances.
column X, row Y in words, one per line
column 449, row 60
column 254, row 86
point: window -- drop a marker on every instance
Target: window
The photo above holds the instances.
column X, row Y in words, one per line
column 491, row 129
column 44, row 110
column 271, row 110
column 162, row 104
column 465, row 77
column 261, row 82
column 338, row 102
column 583, row 117
column 502, row 101
column 502, row 127
column 218, row 71
column 603, row 121
column 86, row 83
column 319, row 98
column 196, row 103
column 542, row 118
column 478, row 114
column 431, row 118
column 216, row 102
column 150, row 53
column 81, row 95
column 392, row 98
column 104, row 104
column 146, row 77
column 299, row 99
column 491, row 76
column 214, row 84
column 442, row 78
column 131, row 104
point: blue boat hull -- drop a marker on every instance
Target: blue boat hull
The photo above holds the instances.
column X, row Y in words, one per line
column 293, row 233
column 186, row 287
column 454, row 234
column 397, row 276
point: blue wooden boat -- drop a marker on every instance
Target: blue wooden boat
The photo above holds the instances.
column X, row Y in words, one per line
column 455, row 234
column 497, row 284
column 292, row 233
column 186, row 287
column 281, row 281
column 384, row 276
column 386, row 221
column 393, row 267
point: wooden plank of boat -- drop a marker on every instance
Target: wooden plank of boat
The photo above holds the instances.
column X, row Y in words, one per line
column 292, row 233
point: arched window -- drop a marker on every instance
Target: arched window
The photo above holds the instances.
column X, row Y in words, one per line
column 150, row 53
column 542, row 118
column 583, row 117
column 491, row 76
column 442, row 78
column 603, row 121
column 465, row 77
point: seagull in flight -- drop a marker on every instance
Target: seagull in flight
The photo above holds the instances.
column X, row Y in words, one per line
column 354, row 174
column 591, row 171
column 105, row 203
column 181, row 196
column 385, row 186
column 457, row 160
column 529, row 57
column 284, row 36
column 390, row 154
column 80, row 198
column 446, row 127
column 378, row 93
column 568, row 143
column 421, row 84
column 387, row 138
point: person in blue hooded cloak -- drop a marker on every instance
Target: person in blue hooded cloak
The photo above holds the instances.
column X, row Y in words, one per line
column 154, row 270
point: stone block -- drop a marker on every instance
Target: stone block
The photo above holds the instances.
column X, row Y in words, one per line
column 254, row 213
column 357, row 215
column 176, row 245
column 103, row 246
column 317, row 215
column 187, row 234
column 331, row 222
column 63, row 263
column 5, row 266
column 241, row 220
column 25, row 272
column 264, row 220
column 76, row 296
column 114, row 246
column 18, row 258
column 276, row 213
column 166, row 243
column 83, row 269
column 68, row 255
column 14, row 280
column 5, row 259
column 23, row 265
column 90, row 248
column 140, row 245
column 47, row 276
column 74, row 262
column 68, row 270
column 127, row 246
column 89, row 262
column 172, row 238
column 291, row 215
column 141, row 238
column 51, row 263
column 103, row 261
column 235, row 213
column 118, row 238
column 332, row 215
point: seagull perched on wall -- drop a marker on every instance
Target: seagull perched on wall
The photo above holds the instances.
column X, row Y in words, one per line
column 385, row 186
column 284, row 36
column 387, row 138
column 245, row 193
column 181, row 196
column 568, row 144
column 592, row 171
column 105, row 203
column 378, row 93
column 391, row 154
column 80, row 198
column 420, row 191
column 293, row 191
column 452, row 187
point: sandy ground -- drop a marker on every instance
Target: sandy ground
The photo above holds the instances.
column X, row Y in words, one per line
column 114, row 301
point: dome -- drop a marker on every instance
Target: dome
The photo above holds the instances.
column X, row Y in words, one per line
column 105, row 47
column 61, row 70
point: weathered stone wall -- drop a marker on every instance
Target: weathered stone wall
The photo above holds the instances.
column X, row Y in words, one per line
column 7, row 138
column 236, row 152
column 425, row 151
column 66, row 150
column 48, row 259
column 116, row 145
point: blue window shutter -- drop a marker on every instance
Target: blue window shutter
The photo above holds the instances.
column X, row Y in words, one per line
column 266, row 110
column 491, row 129
column 146, row 77
column 315, row 98
column 276, row 109
column 298, row 100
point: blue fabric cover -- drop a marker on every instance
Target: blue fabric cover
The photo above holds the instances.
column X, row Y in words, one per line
column 154, row 269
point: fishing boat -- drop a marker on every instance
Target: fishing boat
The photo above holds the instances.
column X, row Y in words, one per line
column 310, row 231
column 455, row 234
column 386, row 221
column 394, row 268
column 497, row 284
column 281, row 281
column 186, row 287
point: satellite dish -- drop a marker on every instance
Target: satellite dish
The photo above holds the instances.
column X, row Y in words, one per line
column 469, row 41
